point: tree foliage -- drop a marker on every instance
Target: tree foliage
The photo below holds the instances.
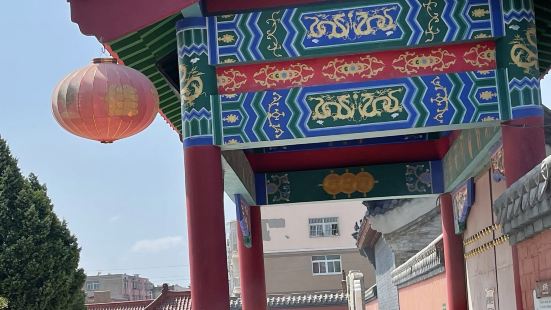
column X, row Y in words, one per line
column 3, row 303
column 38, row 255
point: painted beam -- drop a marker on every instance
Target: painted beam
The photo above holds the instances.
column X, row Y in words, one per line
column 473, row 56
column 366, row 182
column 468, row 155
column 348, row 155
column 239, row 177
column 359, row 110
column 432, row 88
column 338, row 28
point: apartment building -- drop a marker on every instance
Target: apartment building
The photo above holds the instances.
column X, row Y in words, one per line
column 306, row 248
column 121, row 287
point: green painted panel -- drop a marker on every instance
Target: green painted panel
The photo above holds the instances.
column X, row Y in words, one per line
column 462, row 157
column 377, row 181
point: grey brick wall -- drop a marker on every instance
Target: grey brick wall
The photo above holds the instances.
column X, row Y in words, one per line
column 387, row 292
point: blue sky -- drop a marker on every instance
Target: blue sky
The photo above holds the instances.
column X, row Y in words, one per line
column 124, row 201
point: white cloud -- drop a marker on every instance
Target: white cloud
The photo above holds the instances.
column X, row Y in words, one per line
column 157, row 245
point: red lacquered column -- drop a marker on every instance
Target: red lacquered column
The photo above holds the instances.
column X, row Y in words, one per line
column 453, row 257
column 251, row 265
column 206, row 228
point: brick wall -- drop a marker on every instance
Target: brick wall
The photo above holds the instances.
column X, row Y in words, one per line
column 387, row 293
column 433, row 291
column 534, row 264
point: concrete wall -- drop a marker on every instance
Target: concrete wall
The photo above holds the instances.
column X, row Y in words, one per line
column 429, row 294
column 292, row 273
column 534, row 264
column 286, row 229
column 387, row 292
column 491, row 270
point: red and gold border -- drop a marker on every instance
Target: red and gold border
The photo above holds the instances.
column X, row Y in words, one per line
column 477, row 56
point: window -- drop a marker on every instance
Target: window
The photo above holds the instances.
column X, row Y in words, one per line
column 92, row 286
column 324, row 227
column 326, row 264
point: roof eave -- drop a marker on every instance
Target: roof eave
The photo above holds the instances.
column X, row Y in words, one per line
column 109, row 20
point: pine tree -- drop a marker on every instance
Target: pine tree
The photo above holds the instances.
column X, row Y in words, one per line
column 38, row 255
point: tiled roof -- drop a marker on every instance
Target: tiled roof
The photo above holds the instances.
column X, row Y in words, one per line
column 377, row 207
column 123, row 305
column 168, row 300
column 172, row 301
column 307, row 300
column 425, row 264
column 525, row 208
column 370, row 293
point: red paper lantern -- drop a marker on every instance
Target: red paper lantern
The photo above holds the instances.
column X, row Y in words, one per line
column 105, row 101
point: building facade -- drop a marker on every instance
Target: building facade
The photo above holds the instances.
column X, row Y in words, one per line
column 306, row 249
column 121, row 287
column 307, row 101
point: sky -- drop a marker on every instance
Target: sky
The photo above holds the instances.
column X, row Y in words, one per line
column 124, row 201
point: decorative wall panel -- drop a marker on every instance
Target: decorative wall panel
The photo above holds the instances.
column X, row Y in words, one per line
column 395, row 180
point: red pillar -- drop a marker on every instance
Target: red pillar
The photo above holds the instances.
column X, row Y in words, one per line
column 206, row 228
column 523, row 149
column 251, row 265
column 453, row 257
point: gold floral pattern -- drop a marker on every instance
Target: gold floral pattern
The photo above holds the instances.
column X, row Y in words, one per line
column 441, row 99
column 231, row 118
column 338, row 69
column 480, row 12
column 294, row 74
column 273, row 115
column 226, row 38
column 432, row 30
column 487, row 95
column 480, row 55
column 275, row 46
column 231, row 80
column 411, row 62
